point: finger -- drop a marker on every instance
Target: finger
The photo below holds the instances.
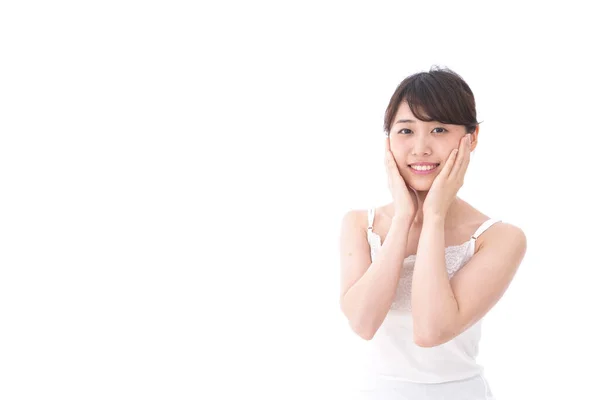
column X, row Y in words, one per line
column 462, row 160
column 467, row 155
column 447, row 168
column 388, row 151
column 391, row 163
column 386, row 146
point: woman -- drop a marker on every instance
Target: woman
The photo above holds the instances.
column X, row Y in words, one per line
column 419, row 274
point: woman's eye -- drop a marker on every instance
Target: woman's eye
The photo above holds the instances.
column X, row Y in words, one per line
column 406, row 131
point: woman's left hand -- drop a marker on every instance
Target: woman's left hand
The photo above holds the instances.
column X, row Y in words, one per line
column 446, row 185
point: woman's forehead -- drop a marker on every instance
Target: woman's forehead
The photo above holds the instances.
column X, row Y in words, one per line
column 405, row 112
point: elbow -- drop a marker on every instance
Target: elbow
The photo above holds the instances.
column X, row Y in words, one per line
column 366, row 334
column 429, row 339
column 432, row 334
column 363, row 330
column 425, row 341
column 359, row 326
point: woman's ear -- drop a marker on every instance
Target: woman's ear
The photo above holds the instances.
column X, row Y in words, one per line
column 474, row 136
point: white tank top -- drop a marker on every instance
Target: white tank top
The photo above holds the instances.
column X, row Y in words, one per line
column 391, row 355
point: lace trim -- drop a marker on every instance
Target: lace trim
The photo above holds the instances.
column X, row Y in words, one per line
column 455, row 259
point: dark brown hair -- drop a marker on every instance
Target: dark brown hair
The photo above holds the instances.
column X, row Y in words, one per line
column 438, row 95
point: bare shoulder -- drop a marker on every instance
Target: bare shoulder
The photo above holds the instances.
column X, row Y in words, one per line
column 504, row 234
column 502, row 240
column 356, row 219
column 359, row 219
column 501, row 233
column 353, row 232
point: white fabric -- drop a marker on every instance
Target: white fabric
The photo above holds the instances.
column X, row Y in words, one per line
column 392, row 363
column 475, row 388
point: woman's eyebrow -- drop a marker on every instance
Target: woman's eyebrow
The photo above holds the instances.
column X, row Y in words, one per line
column 400, row 121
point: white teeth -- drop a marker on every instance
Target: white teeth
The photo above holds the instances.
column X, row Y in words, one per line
column 423, row 167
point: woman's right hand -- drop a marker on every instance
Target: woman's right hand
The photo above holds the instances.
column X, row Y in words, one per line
column 405, row 198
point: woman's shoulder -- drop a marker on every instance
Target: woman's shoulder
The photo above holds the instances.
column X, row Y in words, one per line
column 359, row 217
column 494, row 229
column 356, row 217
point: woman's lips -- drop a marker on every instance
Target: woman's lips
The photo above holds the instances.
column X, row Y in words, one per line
column 424, row 169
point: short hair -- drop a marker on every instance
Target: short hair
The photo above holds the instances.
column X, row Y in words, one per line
column 438, row 95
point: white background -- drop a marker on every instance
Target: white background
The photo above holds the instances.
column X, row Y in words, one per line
column 173, row 177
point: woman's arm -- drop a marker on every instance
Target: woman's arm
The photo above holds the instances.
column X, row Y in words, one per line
column 432, row 299
column 368, row 286
column 443, row 308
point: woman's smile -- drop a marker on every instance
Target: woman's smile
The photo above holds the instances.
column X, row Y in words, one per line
column 423, row 168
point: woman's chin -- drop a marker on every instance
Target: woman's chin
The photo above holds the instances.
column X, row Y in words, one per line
column 420, row 186
column 419, row 183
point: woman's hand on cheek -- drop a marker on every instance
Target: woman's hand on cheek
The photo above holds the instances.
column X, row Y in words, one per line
column 445, row 186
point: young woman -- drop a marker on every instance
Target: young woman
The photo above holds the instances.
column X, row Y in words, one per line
column 419, row 274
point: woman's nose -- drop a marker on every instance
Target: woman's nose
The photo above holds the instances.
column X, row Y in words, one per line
column 421, row 145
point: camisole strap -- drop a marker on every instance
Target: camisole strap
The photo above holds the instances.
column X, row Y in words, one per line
column 482, row 228
column 371, row 218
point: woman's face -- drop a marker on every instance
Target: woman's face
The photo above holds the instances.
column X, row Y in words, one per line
column 415, row 142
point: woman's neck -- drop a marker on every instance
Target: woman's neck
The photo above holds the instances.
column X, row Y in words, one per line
column 453, row 216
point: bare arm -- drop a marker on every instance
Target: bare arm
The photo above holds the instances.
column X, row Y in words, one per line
column 443, row 308
column 433, row 302
column 368, row 286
